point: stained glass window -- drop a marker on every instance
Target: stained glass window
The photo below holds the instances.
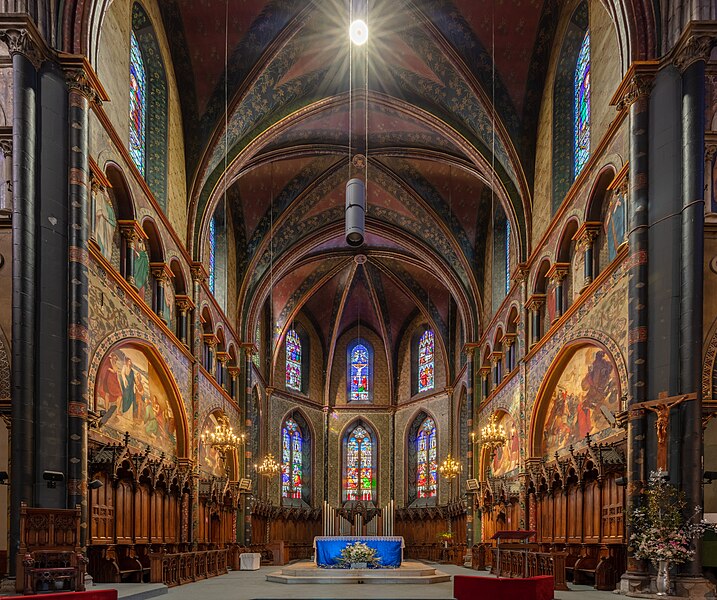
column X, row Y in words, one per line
column 507, row 256
column 425, row 361
column 212, row 254
column 360, row 374
column 426, row 462
column 359, row 465
column 293, row 360
column 137, row 104
column 582, row 106
column 291, row 465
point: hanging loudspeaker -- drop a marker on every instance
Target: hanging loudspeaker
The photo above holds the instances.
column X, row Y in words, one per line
column 355, row 212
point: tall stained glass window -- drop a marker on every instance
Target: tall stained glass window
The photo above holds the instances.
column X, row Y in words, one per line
column 507, row 256
column 425, row 361
column 291, row 464
column 582, row 106
column 426, row 462
column 293, row 360
column 137, row 105
column 257, row 343
column 212, row 254
column 360, row 374
column 359, row 465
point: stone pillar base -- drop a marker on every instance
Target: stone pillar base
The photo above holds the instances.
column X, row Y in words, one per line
column 694, row 587
column 7, row 586
column 634, row 583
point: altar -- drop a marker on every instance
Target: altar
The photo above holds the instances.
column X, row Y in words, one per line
column 389, row 548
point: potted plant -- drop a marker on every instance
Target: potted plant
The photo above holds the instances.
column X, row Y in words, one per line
column 661, row 532
column 358, row 556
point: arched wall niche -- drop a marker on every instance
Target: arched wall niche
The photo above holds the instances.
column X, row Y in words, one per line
column 582, row 384
column 411, row 458
column 133, row 383
column 308, row 451
column 373, row 434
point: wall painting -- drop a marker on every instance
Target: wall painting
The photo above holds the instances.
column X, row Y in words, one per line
column 584, row 401
column 210, row 463
column 507, row 457
column 130, row 388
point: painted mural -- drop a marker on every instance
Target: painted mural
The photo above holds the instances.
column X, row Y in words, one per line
column 585, row 400
column 210, row 463
column 507, row 457
column 615, row 224
column 105, row 221
column 141, row 267
column 130, row 388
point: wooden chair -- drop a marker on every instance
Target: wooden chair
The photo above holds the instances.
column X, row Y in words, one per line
column 50, row 557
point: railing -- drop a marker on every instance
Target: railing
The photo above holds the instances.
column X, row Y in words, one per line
column 513, row 564
column 185, row 567
column 437, row 552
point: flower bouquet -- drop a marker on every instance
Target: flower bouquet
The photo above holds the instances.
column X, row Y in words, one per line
column 660, row 531
column 358, row 556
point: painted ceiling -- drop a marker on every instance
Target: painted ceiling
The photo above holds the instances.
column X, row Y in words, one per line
column 443, row 98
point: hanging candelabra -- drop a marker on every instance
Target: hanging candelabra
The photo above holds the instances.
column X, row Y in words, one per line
column 268, row 466
column 222, row 439
column 450, row 468
column 493, row 435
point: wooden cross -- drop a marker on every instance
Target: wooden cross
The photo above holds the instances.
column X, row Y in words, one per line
column 661, row 407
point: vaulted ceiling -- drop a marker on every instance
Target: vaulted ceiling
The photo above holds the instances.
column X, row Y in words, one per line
column 450, row 135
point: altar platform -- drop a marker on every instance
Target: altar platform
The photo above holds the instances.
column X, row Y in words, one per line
column 408, row 572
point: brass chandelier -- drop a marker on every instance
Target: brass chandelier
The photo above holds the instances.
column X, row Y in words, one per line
column 450, row 468
column 222, row 439
column 493, row 436
column 268, row 466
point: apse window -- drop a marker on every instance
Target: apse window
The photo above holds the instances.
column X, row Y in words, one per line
column 360, row 373
column 291, row 460
column 293, row 360
column 582, row 106
column 426, row 460
column 359, row 475
column 426, row 361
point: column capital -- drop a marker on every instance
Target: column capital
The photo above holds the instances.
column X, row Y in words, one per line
column 161, row 271
column 710, row 152
column 22, row 37
column 535, row 301
column 558, row 272
column 509, row 339
column 469, row 348
column 223, row 357
column 131, row 230
column 587, row 233
column 184, row 302
column 81, row 78
column 636, row 84
column 520, row 274
column 210, row 339
column 6, row 141
column 484, row 371
column 234, row 371
column 199, row 273
column 693, row 48
column 250, row 348
column 495, row 357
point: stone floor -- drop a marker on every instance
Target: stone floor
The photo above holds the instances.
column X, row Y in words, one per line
column 252, row 585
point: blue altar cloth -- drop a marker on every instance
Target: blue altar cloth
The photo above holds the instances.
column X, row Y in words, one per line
column 388, row 548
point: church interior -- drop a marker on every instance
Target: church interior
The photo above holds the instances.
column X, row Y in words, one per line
column 274, row 269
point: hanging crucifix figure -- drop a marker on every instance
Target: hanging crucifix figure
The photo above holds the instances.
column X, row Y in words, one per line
column 661, row 407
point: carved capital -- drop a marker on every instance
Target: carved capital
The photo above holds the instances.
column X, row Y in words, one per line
column 77, row 81
column 234, row 372
column 710, row 152
column 132, row 231
column 210, row 340
column 535, row 302
column 20, row 41
column 199, row 273
column 184, row 303
column 223, row 357
column 161, row 272
column 694, row 49
column 636, row 84
column 521, row 273
column 558, row 272
column 587, row 233
column 6, row 147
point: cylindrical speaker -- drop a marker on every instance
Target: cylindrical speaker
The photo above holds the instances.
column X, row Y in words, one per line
column 355, row 212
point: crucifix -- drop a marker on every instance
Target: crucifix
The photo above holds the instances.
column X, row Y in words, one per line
column 661, row 407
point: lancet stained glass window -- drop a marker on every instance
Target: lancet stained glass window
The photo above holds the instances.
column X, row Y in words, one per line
column 212, row 254
column 426, row 462
column 507, row 256
column 257, row 343
column 291, row 464
column 425, row 361
column 137, row 105
column 359, row 465
column 360, row 374
column 582, row 106
column 293, row 360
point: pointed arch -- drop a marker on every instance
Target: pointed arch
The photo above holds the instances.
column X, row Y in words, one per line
column 359, row 446
column 359, row 362
column 296, row 457
column 422, row 453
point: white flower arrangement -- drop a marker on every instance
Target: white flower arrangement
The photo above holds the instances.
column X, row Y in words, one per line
column 358, row 552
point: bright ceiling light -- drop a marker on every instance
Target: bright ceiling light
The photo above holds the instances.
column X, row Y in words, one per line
column 358, row 32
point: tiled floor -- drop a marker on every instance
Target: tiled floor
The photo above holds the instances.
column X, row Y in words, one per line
column 252, row 585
